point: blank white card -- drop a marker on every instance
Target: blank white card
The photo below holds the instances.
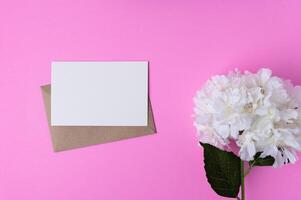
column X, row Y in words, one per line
column 99, row 93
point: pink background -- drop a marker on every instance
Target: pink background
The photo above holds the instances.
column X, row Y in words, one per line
column 186, row 42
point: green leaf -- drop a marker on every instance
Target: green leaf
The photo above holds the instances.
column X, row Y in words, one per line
column 222, row 171
column 266, row 161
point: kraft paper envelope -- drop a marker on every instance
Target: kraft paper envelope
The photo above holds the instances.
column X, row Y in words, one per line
column 71, row 137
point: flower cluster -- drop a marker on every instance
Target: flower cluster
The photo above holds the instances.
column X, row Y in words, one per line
column 259, row 112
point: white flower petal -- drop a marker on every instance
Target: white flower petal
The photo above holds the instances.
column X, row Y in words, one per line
column 264, row 75
column 259, row 112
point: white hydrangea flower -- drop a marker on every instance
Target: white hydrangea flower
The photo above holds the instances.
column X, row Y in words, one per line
column 260, row 112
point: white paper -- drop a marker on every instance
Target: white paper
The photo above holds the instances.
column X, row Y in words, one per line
column 99, row 93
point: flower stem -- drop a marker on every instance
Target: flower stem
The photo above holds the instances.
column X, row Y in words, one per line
column 248, row 171
column 242, row 175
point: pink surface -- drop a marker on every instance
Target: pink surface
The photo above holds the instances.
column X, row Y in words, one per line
column 186, row 42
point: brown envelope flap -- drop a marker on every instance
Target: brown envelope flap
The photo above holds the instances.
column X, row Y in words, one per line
column 71, row 137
